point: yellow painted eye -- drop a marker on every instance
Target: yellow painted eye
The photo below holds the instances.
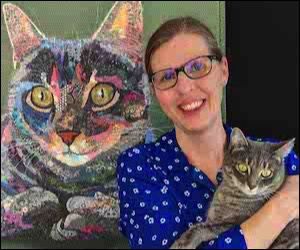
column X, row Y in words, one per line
column 102, row 94
column 266, row 173
column 243, row 168
column 42, row 97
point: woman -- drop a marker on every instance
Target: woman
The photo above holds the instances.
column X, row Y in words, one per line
column 166, row 187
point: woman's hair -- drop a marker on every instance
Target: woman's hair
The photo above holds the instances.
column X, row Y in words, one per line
column 175, row 26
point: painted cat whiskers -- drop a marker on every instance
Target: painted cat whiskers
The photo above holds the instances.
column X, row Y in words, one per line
column 252, row 173
column 73, row 107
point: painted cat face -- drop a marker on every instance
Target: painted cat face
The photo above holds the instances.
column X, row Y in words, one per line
column 256, row 168
column 77, row 99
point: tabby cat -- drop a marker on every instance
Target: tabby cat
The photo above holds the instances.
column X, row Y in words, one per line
column 252, row 173
column 73, row 106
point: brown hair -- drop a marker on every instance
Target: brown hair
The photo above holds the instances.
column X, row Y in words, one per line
column 175, row 26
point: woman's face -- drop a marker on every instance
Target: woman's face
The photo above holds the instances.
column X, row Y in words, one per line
column 193, row 105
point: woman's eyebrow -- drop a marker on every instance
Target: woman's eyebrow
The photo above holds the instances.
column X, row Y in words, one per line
column 182, row 65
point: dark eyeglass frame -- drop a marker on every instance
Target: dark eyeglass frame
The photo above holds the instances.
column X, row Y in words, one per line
column 182, row 69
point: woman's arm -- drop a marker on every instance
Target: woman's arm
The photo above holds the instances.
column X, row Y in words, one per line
column 263, row 228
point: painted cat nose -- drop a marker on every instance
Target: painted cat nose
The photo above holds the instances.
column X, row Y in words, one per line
column 68, row 137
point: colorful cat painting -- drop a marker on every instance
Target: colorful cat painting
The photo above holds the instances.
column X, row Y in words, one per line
column 73, row 106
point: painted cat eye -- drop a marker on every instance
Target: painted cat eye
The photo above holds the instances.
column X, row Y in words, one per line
column 102, row 94
column 243, row 168
column 266, row 173
column 41, row 97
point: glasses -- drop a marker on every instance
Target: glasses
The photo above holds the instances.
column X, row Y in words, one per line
column 194, row 69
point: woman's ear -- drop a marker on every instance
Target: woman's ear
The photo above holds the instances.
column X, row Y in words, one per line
column 225, row 71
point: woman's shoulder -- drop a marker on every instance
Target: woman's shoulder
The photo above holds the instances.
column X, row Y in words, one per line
column 146, row 156
column 148, row 148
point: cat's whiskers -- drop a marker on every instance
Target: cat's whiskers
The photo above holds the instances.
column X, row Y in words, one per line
column 23, row 175
column 76, row 32
column 24, row 159
column 6, row 148
column 97, row 17
column 27, row 162
column 38, row 20
column 268, row 196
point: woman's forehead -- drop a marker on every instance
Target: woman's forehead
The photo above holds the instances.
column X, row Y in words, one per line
column 179, row 50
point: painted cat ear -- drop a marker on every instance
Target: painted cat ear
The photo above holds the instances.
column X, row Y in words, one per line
column 23, row 34
column 122, row 29
column 238, row 139
column 282, row 149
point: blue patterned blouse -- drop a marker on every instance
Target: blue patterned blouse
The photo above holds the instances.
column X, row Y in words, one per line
column 162, row 195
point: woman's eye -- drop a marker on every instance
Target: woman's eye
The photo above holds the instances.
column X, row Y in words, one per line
column 42, row 97
column 197, row 67
column 168, row 77
column 266, row 173
column 102, row 94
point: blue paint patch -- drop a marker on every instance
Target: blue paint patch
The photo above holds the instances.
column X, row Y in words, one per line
column 38, row 122
column 45, row 44
column 8, row 189
column 18, row 122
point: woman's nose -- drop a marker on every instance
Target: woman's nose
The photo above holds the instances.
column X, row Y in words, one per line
column 184, row 84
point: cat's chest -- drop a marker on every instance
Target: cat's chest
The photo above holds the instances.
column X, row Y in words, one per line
column 232, row 206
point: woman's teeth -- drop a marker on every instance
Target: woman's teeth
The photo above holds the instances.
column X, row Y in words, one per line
column 192, row 106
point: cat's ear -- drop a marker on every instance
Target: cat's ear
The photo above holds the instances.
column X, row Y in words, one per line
column 282, row 149
column 238, row 139
column 23, row 34
column 122, row 29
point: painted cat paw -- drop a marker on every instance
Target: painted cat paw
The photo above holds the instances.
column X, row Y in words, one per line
column 102, row 205
column 59, row 233
column 80, row 227
column 89, row 218
column 23, row 212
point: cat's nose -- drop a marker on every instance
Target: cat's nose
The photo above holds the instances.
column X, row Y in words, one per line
column 252, row 186
column 68, row 137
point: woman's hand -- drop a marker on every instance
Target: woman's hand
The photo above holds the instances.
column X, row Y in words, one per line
column 288, row 197
column 263, row 228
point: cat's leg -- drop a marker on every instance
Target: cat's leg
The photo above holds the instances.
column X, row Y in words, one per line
column 197, row 234
column 28, row 212
column 289, row 237
column 90, row 217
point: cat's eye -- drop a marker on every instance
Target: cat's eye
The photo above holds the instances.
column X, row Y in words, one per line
column 266, row 173
column 243, row 168
column 102, row 94
column 41, row 97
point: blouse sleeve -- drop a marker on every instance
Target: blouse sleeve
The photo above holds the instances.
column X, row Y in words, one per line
column 230, row 239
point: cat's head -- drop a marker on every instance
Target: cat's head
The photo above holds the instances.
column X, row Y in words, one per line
column 79, row 99
column 256, row 168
